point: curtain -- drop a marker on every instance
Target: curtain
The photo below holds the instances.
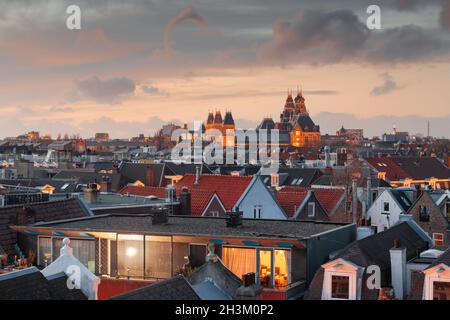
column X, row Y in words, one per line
column 158, row 257
column 239, row 260
column 282, row 268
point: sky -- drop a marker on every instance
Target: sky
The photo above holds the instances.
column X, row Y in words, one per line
column 137, row 64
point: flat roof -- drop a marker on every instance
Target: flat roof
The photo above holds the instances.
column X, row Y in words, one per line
column 199, row 226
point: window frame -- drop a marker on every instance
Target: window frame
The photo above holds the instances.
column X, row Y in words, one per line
column 312, row 205
column 257, row 262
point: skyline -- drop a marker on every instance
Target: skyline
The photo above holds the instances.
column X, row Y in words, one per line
column 137, row 65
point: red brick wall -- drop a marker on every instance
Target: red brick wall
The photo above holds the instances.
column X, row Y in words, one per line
column 113, row 287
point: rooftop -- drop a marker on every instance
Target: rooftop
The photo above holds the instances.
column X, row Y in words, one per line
column 200, row 226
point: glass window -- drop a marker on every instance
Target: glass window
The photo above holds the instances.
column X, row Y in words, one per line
column 84, row 251
column 158, row 257
column 340, row 287
column 130, row 255
column 438, row 239
column 386, row 207
column 265, row 268
column 45, row 251
column 239, row 260
column 311, row 210
column 441, row 290
column 282, row 262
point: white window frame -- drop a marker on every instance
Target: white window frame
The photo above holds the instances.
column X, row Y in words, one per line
column 431, row 276
column 313, row 206
column 434, row 237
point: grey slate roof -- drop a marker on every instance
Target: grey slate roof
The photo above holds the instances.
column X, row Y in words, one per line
column 189, row 225
column 373, row 250
column 30, row 284
column 45, row 211
column 176, row 288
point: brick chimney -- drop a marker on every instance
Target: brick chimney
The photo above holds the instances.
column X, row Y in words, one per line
column 398, row 269
column 90, row 193
column 249, row 290
column 185, row 202
column 105, row 184
column 197, row 175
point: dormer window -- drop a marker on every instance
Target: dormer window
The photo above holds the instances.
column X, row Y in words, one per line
column 340, row 287
column 311, row 209
column 342, row 280
column 424, row 214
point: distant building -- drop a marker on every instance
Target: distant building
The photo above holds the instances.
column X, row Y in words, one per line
column 351, row 134
column 102, row 136
column 225, row 125
column 396, row 136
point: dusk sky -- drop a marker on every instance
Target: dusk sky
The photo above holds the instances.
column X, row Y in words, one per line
column 136, row 65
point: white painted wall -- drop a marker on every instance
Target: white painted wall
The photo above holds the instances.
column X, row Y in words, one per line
column 258, row 194
column 380, row 220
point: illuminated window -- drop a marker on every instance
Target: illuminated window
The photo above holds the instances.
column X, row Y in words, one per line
column 239, row 260
column 130, row 255
column 282, row 263
column 45, row 251
column 340, row 287
column 265, row 268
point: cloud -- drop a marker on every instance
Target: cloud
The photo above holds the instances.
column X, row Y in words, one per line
column 402, row 44
column 388, row 86
column 110, row 91
column 406, row 4
column 445, row 14
column 317, row 37
column 188, row 13
column 151, row 90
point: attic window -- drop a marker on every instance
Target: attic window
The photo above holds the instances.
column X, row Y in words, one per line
column 424, row 213
column 340, row 287
column 386, row 207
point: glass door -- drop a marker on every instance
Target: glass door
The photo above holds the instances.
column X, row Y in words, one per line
column 265, row 268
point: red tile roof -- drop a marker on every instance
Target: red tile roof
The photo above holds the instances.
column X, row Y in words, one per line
column 327, row 197
column 199, row 200
column 144, row 191
column 199, row 197
column 228, row 188
column 385, row 164
column 291, row 199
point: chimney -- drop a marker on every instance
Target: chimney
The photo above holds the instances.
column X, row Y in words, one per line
column 398, row 269
column 159, row 216
column 327, row 157
column 185, row 202
column 105, row 184
column 197, row 175
column 234, row 219
column 354, row 200
column 249, row 289
column 90, row 193
column 369, row 192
